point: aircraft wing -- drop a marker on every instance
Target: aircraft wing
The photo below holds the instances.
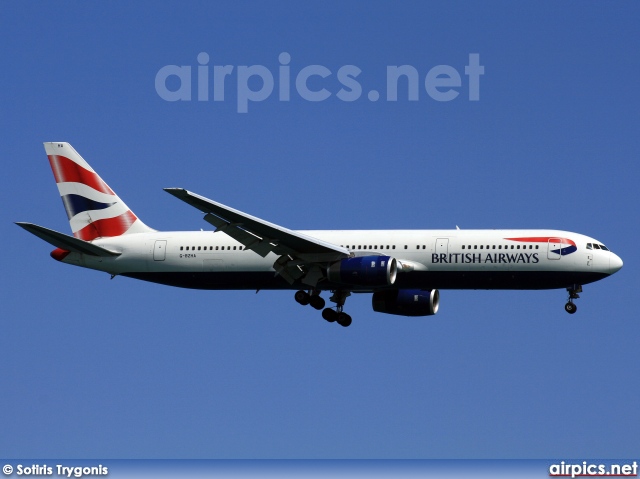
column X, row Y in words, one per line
column 66, row 242
column 300, row 256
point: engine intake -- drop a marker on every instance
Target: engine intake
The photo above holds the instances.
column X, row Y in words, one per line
column 364, row 271
column 407, row 302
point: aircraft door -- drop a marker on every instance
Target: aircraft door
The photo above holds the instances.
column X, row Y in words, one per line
column 555, row 246
column 160, row 250
column 442, row 245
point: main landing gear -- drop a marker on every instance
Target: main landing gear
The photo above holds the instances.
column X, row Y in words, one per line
column 339, row 297
column 313, row 298
column 573, row 294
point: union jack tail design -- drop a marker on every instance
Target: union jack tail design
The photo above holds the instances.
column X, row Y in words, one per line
column 94, row 210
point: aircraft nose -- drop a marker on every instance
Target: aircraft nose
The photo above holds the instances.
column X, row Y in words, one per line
column 615, row 263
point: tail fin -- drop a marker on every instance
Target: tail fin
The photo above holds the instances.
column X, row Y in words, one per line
column 94, row 210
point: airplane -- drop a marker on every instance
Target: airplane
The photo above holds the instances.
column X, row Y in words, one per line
column 402, row 269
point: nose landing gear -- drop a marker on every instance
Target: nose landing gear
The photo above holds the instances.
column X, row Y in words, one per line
column 573, row 294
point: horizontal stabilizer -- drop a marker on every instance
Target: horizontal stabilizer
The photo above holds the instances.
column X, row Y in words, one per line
column 66, row 242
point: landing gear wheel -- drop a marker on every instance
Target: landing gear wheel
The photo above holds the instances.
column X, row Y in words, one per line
column 330, row 315
column 573, row 294
column 316, row 302
column 344, row 320
column 302, row 297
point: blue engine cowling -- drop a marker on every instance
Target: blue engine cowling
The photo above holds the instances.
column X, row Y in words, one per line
column 407, row 302
column 364, row 271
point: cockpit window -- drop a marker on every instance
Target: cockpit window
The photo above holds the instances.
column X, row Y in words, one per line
column 595, row 246
column 589, row 246
column 604, row 247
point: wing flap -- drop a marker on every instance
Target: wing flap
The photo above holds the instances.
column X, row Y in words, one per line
column 66, row 242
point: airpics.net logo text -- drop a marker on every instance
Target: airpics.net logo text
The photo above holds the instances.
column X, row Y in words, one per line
column 256, row 83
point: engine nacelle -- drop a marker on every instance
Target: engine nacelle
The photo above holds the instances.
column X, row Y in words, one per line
column 364, row 271
column 407, row 302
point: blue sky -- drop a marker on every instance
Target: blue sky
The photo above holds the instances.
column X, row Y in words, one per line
column 126, row 369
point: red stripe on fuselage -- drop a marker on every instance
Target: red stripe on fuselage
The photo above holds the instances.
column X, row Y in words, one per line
column 66, row 170
column 543, row 239
column 107, row 227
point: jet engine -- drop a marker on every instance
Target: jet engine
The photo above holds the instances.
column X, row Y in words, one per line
column 407, row 302
column 364, row 271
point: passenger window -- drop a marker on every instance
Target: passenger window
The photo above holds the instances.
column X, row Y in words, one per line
column 499, row 246
column 518, row 247
column 462, row 246
column 393, row 247
column 217, row 248
column 493, row 247
column 475, row 246
column 181, row 247
column 405, row 246
column 481, row 246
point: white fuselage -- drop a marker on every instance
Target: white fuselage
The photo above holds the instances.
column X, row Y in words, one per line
column 443, row 259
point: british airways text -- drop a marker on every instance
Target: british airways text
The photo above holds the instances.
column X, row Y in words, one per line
column 466, row 258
